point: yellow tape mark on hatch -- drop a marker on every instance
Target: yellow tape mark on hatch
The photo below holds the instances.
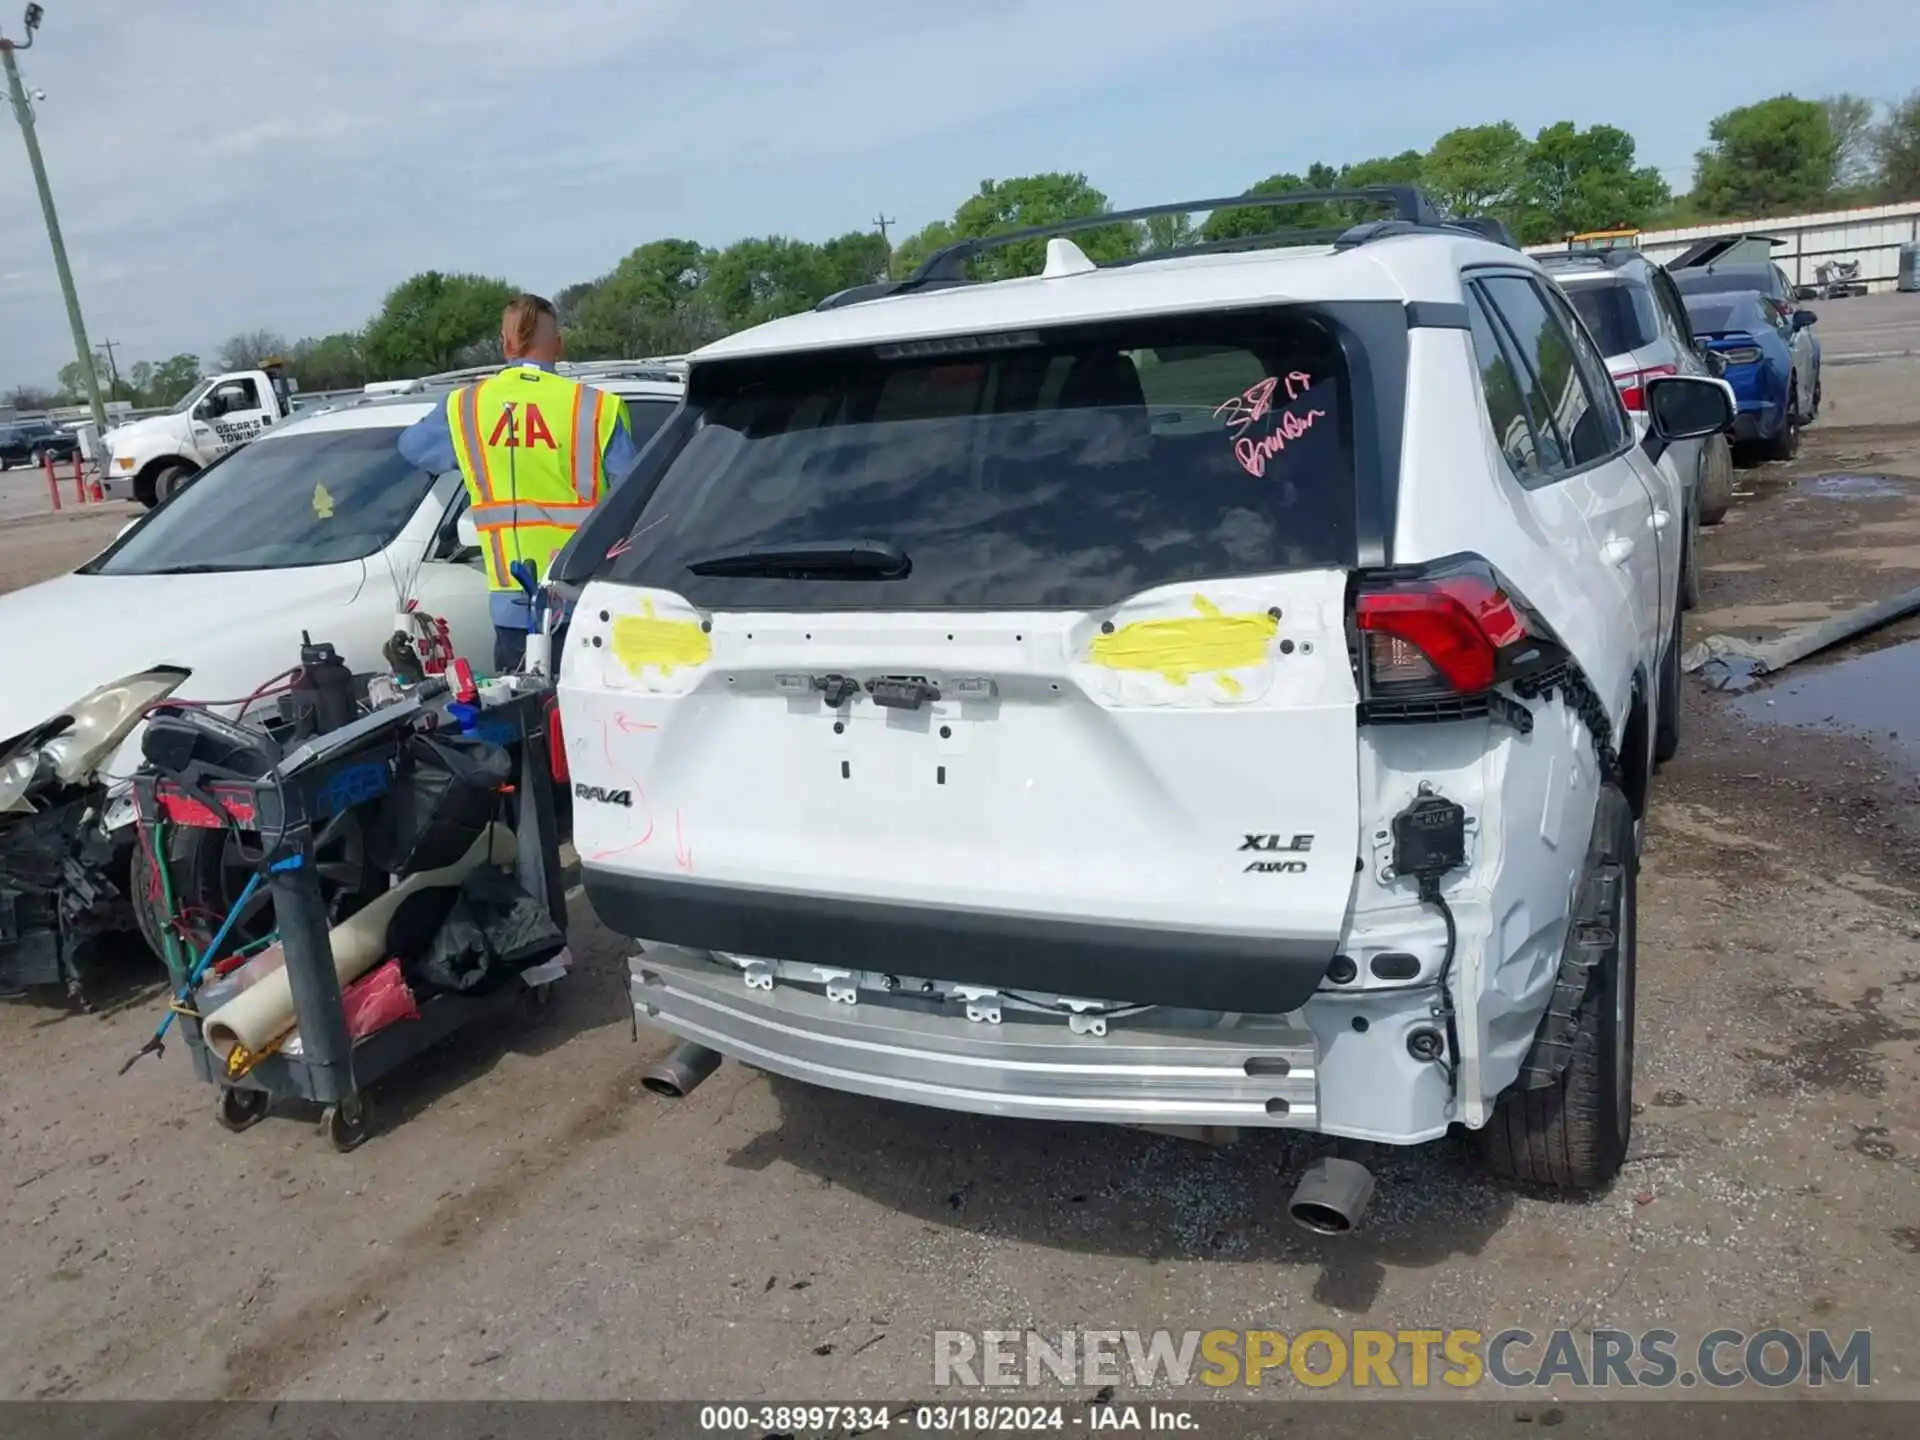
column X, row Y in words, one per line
column 1177, row 649
column 642, row 640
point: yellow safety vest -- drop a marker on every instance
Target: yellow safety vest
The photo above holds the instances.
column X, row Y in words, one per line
column 529, row 444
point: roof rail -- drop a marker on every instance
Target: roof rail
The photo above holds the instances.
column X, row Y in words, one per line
column 660, row 367
column 1414, row 213
column 947, row 263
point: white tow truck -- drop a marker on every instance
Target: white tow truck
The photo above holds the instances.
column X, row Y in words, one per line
column 148, row 459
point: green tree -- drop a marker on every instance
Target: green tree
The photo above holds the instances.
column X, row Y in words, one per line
column 329, row 362
column 1250, row 220
column 1406, row 168
column 1850, row 121
column 1770, row 158
column 1002, row 205
column 1478, row 170
column 252, row 348
column 753, row 281
column 909, row 254
column 171, row 379
column 858, row 257
column 1896, row 151
column 29, row 398
column 652, row 303
column 436, row 322
column 1166, row 232
column 1578, row 180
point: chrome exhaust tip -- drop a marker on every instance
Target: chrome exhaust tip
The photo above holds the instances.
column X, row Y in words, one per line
column 1331, row 1196
column 679, row 1074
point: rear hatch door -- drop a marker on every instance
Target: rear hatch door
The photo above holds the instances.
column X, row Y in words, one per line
column 1023, row 667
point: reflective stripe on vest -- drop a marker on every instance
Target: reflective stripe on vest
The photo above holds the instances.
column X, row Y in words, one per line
column 529, row 444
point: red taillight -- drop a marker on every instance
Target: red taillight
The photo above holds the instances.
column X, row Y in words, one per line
column 1632, row 384
column 1435, row 641
column 1456, row 624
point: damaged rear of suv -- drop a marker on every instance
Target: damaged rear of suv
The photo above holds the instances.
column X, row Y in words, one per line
column 1192, row 693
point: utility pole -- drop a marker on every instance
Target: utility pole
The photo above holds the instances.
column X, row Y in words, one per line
column 880, row 223
column 23, row 110
column 113, row 364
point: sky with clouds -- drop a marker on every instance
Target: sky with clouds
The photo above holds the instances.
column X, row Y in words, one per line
column 282, row 163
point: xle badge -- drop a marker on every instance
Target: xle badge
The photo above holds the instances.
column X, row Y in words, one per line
column 1294, row 844
column 605, row 797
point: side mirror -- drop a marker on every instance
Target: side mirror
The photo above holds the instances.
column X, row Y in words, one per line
column 461, row 545
column 1803, row 318
column 1686, row 407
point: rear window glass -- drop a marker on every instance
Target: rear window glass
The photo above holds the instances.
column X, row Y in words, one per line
column 1618, row 314
column 1067, row 470
column 1713, row 282
column 1711, row 316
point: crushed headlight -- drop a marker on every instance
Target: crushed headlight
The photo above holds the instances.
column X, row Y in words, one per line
column 16, row 778
column 103, row 719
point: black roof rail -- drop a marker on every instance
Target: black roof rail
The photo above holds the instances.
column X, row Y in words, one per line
column 1414, row 214
column 947, row 263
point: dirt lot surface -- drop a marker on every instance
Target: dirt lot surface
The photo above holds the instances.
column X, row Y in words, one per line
column 533, row 1224
column 38, row 542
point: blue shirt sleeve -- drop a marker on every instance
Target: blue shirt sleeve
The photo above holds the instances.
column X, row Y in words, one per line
column 428, row 443
column 617, row 459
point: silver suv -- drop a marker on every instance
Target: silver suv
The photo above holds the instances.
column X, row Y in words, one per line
column 1635, row 314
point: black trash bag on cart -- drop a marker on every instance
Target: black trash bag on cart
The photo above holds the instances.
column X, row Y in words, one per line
column 445, row 791
column 492, row 930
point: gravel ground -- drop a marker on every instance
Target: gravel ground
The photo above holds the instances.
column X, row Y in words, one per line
column 532, row 1224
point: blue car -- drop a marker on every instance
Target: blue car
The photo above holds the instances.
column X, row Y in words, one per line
column 1755, row 342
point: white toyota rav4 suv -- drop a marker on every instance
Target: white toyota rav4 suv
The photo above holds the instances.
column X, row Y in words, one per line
column 1215, row 690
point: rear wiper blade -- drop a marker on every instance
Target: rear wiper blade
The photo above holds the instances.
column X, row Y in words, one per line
column 812, row 560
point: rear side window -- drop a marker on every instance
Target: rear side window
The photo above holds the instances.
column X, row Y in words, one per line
column 1513, row 400
column 1070, row 469
column 1546, row 347
column 1617, row 313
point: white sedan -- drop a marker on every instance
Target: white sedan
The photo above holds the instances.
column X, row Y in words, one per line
column 318, row 526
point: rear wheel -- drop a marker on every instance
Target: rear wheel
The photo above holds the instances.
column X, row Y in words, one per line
column 1716, row 481
column 1573, row 1134
column 1786, row 444
column 1690, row 564
column 1666, row 725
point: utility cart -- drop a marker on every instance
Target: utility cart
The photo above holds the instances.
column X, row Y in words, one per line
column 293, row 799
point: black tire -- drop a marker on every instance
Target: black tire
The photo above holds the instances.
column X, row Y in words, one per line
column 349, row 1123
column 1666, row 724
column 169, row 479
column 1690, row 565
column 1786, row 444
column 241, row 1109
column 1716, row 481
column 1573, row 1134
column 208, row 873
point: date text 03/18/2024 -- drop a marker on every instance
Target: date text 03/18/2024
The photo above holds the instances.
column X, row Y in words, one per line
column 964, row 1418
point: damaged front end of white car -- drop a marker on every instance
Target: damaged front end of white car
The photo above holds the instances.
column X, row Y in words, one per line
column 64, row 876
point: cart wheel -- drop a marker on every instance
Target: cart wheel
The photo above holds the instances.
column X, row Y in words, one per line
column 238, row 1109
column 536, row 1003
column 348, row 1124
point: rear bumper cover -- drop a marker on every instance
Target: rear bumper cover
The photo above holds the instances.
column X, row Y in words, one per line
column 1189, row 969
column 1022, row 1065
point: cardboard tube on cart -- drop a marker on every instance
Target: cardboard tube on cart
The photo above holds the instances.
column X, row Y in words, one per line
column 259, row 1015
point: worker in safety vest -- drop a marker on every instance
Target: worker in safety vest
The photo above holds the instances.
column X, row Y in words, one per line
column 537, row 450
